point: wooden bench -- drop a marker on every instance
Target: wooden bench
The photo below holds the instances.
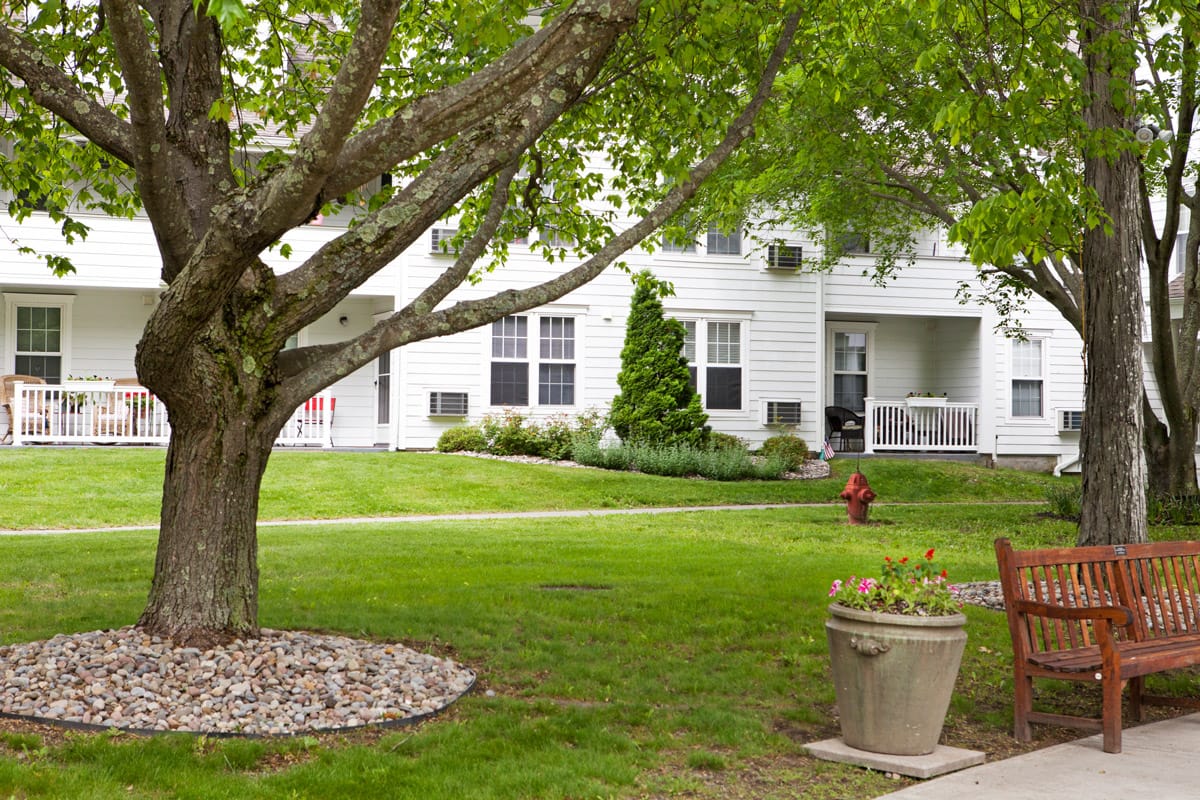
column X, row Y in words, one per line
column 1108, row 615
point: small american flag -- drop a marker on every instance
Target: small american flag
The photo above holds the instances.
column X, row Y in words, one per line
column 827, row 451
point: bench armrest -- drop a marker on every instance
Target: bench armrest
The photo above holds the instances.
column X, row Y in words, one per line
column 1119, row 615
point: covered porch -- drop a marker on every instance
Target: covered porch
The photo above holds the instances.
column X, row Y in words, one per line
column 904, row 384
column 121, row 412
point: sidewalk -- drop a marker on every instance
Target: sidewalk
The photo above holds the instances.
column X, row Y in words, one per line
column 1157, row 760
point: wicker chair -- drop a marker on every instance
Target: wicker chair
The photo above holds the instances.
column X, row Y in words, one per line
column 33, row 417
column 846, row 426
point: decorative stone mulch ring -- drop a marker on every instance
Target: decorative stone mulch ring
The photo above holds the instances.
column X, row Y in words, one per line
column 282, row 683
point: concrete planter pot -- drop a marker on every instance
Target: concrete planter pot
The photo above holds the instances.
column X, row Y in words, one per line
column 894, row 675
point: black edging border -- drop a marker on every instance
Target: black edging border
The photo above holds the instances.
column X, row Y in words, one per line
column 88, row 727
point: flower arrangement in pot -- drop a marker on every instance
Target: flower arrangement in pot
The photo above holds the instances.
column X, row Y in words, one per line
column 895, row 645
column 905, row 586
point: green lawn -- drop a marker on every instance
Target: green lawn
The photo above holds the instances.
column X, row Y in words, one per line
column 123, row 486
column 688, row 661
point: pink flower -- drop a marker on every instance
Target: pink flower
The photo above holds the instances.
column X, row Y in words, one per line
column 835, row 588
column 865, row 585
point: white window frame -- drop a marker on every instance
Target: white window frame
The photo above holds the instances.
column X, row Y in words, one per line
column 1043, row 340
column 831, row 331
column 701, row 320
column 13, row 300
column 534, row 360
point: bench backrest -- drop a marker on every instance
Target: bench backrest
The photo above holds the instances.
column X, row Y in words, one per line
column 1159, row 582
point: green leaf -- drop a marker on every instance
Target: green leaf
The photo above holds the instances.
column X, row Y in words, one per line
column 229, row 13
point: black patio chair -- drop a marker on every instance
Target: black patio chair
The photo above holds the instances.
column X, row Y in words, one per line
column 846, row 426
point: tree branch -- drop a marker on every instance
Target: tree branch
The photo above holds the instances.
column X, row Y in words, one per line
column 53, row 90
column 288, row 197
column 437, row 116
column 354, row 256
column 408, row 326
column 160, row 191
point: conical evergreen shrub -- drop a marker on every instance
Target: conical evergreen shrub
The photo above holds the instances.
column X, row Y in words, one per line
column 657, row 405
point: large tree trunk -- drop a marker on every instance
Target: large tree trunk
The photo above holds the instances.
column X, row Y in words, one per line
column 1114, row 494
column 205, row 587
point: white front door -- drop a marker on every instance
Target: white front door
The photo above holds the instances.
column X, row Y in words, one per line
column 383, row 398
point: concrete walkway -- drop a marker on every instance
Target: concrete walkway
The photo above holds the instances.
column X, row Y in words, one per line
column 586, row 512
column 1158, row 760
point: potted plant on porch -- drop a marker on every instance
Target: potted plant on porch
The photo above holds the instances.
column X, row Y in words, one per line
column 895, row 645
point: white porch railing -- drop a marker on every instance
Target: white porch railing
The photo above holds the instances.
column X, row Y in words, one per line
column 921, row 423
column 99, row 412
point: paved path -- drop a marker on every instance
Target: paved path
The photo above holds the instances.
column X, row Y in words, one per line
column 587, row 512
column 1156, row 760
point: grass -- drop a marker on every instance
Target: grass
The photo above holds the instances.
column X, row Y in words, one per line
column 677, row 655
column 123, row 486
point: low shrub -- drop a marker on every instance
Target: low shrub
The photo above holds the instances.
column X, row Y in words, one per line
column 512, row 434
column 725, row 441
column 555, row 437
column 462, row 438
column 507, row 435
column 791, row 449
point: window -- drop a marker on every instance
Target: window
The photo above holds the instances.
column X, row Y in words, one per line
column 554, row 237
column 850, row 369
column 1027, row 370
column 510, row 369
column 718, row 374
column 854, row 243
column 671, row 246
column 556, row 372
column 681, row 238
column 724, row 244
column 554, row 361
column 39, row 332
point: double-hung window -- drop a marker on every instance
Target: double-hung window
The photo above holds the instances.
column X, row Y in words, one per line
column 1028, row 385
column 724, row 244
column 556, row 367
column 713, row 349
column 514, row 363
column 38, row 332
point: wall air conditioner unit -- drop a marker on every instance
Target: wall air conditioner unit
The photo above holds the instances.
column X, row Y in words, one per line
column 439, row 241
column 780, row 412
column 1070, row 420
column 785, row 257
column 448, row 404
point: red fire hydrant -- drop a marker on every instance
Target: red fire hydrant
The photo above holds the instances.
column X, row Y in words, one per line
column 858, row 497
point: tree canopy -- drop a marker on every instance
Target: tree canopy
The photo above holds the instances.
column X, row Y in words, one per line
column 228, row 133
column 973, row 119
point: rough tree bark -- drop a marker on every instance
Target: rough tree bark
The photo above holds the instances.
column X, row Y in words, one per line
column 1114, row 498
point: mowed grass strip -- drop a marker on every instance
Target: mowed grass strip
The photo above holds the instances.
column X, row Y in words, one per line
column 116, row 486
column 645, row 656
